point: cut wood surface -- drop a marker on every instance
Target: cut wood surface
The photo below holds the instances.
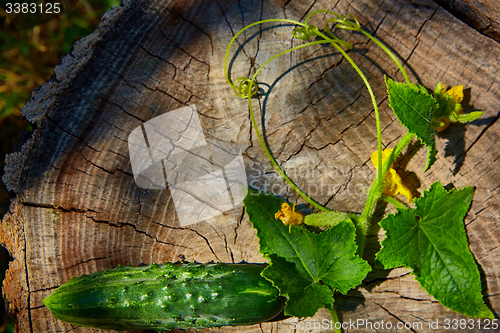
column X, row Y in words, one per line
column 77, row 208
column 482, row 15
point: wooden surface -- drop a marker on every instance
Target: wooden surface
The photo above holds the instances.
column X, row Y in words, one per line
column 77, row 209
column 482, row 15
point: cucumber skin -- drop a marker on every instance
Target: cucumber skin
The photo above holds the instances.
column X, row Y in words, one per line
column 167, row 296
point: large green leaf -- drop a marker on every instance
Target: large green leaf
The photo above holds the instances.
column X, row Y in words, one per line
column 414, row 107
column 431, row 239
column 304, row 297
column 306, row 267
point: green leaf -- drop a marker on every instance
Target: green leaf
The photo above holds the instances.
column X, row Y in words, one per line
column 304, row 297
column 414, row 107
column 306, row 267
column 431, row 240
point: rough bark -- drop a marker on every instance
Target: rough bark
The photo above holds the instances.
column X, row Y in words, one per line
column 482, row 15
column 77, row 209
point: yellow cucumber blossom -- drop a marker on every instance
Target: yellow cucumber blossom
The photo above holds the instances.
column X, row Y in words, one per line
column 456, row 93
column 450, row 107
column 393, row 184
column 289, row 216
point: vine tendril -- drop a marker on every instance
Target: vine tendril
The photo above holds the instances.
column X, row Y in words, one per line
column 245, row 88
column 346, row 24
column 306, row 32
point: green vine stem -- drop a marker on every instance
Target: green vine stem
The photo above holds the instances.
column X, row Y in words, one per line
column 251, row 90
column 261, row 140
column 343, row 23
column 375, row 191
column 226, row 75
column 250, row 85
column 248, row 88
column 372, row 96
column 335, row 319
column 389, row 53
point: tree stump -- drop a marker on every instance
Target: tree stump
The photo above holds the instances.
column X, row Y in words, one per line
column 482, row 15
column 77, row 208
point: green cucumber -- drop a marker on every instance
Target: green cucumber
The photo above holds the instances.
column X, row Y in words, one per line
column 168, row 296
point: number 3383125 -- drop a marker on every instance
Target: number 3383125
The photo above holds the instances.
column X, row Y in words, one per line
column 32, row 8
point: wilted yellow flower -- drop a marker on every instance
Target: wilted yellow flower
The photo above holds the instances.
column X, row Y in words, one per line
column 289, row 216
column 393, row 184
column 444, row 123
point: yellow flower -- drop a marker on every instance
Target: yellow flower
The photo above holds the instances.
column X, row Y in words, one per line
column 457, row 93
column 455, row 96
column 289, row 216
column 393, row 184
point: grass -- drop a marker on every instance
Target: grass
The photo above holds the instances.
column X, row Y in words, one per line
column 27, row 59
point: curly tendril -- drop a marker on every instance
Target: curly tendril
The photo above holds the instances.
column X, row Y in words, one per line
column 305, row 33
column 308, row 31
column 345, row 23
column 244, row 87
column 335, row 39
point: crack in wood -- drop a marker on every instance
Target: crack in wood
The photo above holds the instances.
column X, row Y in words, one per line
column 394, row 316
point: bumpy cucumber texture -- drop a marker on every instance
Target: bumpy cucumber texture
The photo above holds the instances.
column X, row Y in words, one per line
column 168, row 296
